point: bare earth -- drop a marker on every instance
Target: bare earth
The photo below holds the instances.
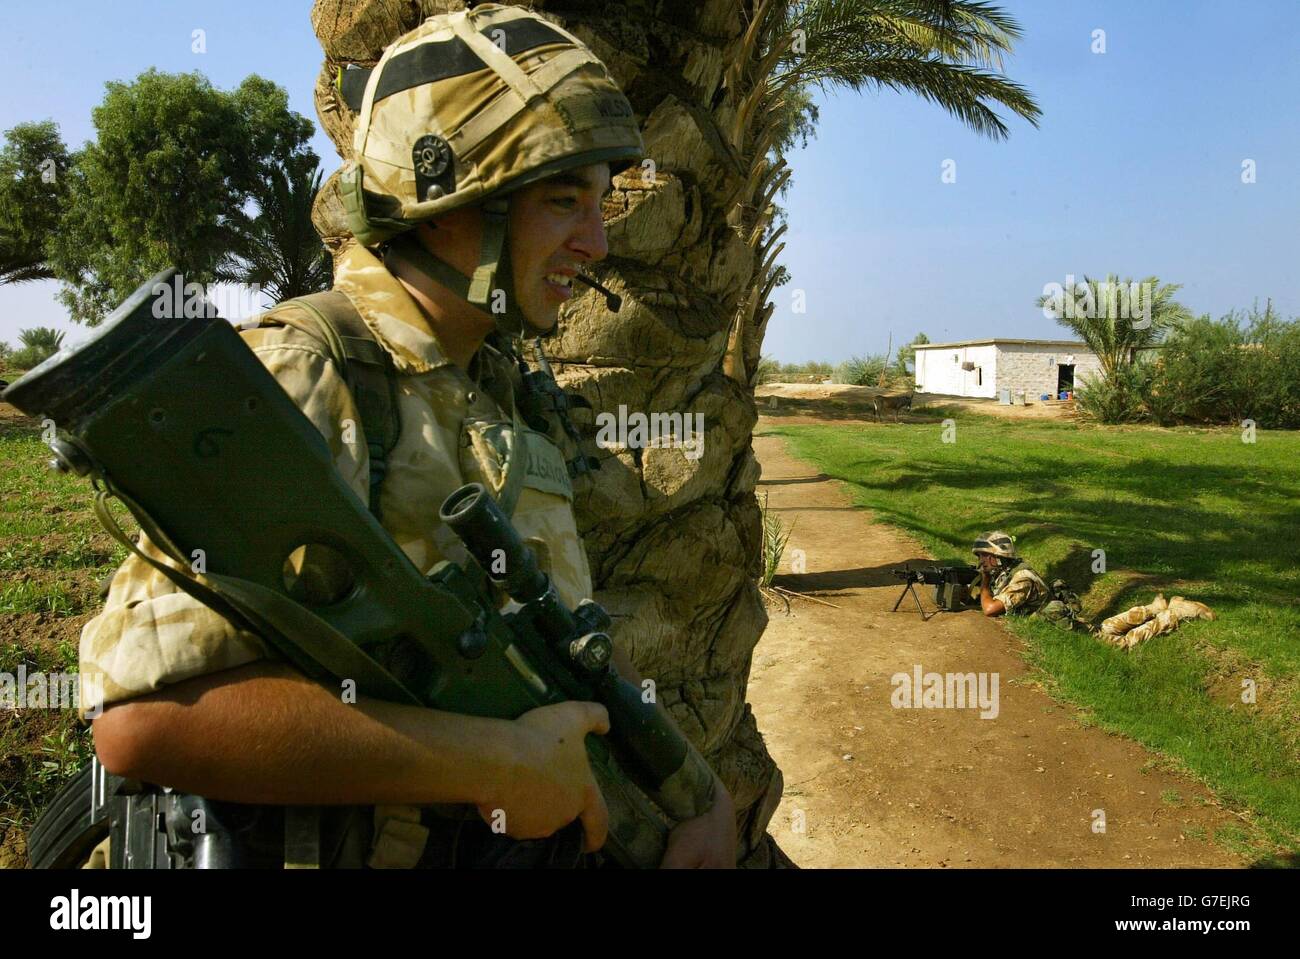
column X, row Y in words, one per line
column 841, row 401
column 872, row 785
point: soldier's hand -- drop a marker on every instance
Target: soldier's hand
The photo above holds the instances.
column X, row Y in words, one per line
column 705, row 842
column 553, row 784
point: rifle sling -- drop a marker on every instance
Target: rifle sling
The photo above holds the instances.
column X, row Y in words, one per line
column 367, row 369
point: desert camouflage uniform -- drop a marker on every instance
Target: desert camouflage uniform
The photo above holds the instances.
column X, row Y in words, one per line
column 1140, row 623
column 1024, row 593
column 456, row 427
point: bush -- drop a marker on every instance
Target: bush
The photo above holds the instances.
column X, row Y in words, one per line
column 860, row 370
column 769, row 370
column 1243, row 366
column 1116, row 399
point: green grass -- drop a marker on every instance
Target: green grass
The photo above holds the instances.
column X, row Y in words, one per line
column 1194, row 512
column 53, row 556
column 52, row 552
column 40, row 749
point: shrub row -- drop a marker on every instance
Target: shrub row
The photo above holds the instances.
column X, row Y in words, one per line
column 1242, row 366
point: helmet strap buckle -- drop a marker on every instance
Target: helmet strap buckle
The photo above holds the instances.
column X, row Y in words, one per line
column 495, row 219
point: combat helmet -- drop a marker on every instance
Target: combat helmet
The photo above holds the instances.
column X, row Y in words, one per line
column 464, row 109
column 998, row 544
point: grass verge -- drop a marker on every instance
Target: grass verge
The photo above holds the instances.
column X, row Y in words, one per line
column 1121, row 513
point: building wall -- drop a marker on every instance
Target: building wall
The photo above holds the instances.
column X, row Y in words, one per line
column 1034, row 368
column 939, row 370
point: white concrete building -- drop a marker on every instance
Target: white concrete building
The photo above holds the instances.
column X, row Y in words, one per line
column 986, row 367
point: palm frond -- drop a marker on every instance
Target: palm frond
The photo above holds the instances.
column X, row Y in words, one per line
column 946, row 51
column 21, row 265
column 24, row 273
column 279, row 249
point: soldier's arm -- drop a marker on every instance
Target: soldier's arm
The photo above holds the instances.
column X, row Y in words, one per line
column 1023, row 588
column 990, row 605
column 263, row 733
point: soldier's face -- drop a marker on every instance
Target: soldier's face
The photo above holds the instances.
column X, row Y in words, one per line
column 556, row 230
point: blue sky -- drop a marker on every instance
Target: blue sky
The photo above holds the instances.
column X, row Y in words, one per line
column 1136, row 167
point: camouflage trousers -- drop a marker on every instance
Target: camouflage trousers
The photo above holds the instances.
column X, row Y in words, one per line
column 1140, row 623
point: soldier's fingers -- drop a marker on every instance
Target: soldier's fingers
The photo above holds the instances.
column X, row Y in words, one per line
column 595, row 819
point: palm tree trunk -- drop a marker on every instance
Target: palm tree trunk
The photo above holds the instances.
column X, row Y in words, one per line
column 674, row 542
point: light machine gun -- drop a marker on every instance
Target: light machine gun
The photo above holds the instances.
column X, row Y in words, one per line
column 951, row 586
column 176, row 418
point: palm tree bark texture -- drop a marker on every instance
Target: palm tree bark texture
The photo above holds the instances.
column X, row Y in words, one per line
column 673, row 542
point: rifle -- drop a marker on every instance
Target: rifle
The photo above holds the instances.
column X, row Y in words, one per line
column 951, row 585
column 172, row 414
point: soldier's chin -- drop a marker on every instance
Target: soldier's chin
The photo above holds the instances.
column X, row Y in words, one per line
column 544, row 318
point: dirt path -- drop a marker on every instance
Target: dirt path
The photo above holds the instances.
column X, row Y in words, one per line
column 935, row 787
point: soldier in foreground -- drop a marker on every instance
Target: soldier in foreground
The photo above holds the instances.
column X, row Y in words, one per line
column 475, row 199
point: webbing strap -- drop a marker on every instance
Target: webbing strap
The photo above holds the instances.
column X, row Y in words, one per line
column 510, row 323
column 501, row 62
column 368, row 370
column 495, row 219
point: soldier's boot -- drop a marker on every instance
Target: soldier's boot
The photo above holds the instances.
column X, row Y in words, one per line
column 1115, row 628
column 1190, row 609
column 1178, row 609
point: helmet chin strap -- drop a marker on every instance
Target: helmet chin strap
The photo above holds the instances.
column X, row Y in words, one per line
column 493, row 280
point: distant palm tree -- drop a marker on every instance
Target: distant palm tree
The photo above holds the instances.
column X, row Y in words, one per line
column 37, row 345
column 280, row 250
column 1117, row 318
column 41, row 338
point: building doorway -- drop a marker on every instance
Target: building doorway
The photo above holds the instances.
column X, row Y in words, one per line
column 1064, row 378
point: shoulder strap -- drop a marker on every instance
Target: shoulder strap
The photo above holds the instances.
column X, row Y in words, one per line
column 368, row 370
